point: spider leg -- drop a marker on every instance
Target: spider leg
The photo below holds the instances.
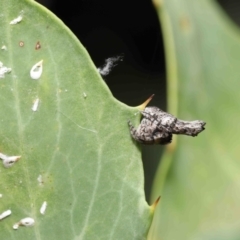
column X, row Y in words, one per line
column 133, row 130
column 142, row 134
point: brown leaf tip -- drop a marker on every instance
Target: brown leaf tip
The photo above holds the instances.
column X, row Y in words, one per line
column 154, row 205
column 143, row 105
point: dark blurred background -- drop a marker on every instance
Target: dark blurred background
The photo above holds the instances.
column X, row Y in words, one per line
column 111, row 28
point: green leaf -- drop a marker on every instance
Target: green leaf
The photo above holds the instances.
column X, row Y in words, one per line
column 76, row 150
column 200, row 193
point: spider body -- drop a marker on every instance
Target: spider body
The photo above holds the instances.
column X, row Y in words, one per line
column 157, row 127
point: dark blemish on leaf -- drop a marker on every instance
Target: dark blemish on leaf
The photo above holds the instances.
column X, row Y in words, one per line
column 158, row 126
column 38, row 45
column 21, row 44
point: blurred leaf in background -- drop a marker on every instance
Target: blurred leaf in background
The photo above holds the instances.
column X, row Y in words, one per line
column 199, row 178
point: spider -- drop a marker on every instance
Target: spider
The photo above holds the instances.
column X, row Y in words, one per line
column 157, row 127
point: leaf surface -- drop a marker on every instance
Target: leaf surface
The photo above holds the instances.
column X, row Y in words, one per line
column 76, row 150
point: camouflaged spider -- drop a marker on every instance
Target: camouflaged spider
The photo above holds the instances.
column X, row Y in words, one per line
column 157, row 127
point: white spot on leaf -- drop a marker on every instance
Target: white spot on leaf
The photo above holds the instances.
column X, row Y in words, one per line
column 35, row 105
column 43, row 208
column 1, row 195
column 36, row 70
column 4, row 47
column 16, row 20
column 5, row 214
column 84, row 95
column 15, row 226
column 40, row 180
column 8, row 161
column 26, row 222
column 3, row 70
